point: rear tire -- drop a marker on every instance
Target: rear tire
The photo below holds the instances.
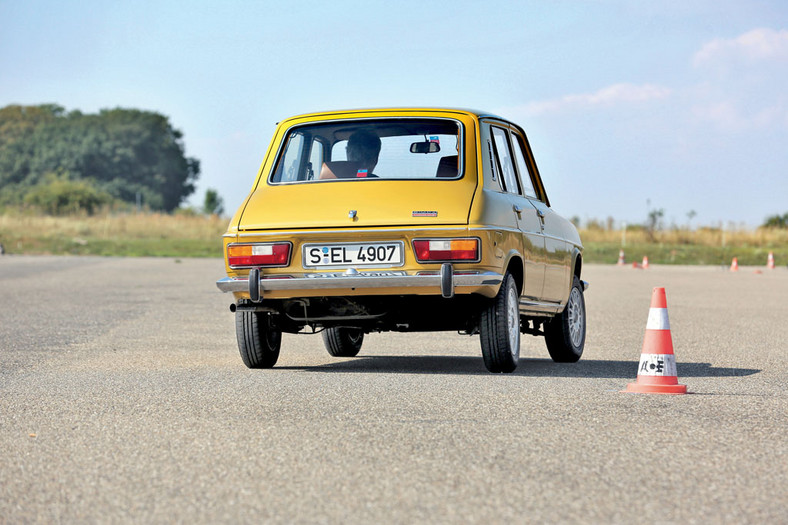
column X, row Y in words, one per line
column 343, row 342
column 565, row 335
column 499, row 329
column 258, row 343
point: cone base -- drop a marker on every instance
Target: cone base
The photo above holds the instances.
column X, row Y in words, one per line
column 639, row 388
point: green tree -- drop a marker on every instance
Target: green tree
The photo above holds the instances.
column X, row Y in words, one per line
column 213, row 204
column 776, row 221
column 122, row 151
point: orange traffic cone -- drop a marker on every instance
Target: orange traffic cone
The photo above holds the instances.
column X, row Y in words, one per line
column 735, row 265
column 645, row 263
column 657, row 369
column 621, row 261
column 770, row 261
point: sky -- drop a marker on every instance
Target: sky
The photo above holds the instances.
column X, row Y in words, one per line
column 629, row 106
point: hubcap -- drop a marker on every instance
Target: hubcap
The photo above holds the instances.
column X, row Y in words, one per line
column 576, row 317
column 513, row 320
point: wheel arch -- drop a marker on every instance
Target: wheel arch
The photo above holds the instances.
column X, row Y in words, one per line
column 516, row 267
column 577, row 263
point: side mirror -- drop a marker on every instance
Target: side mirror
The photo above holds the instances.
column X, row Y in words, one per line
column 425, row 147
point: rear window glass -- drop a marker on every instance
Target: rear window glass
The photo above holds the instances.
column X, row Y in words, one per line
column 391, row 149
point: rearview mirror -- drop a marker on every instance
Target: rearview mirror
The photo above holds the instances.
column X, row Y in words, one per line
column 425, row 147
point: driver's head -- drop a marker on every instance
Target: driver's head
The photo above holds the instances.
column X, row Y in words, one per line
column 364, row 146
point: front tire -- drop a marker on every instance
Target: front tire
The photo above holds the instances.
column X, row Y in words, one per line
column 343, row 342
column 258, row 343
column 565, row 335
column 499, row 329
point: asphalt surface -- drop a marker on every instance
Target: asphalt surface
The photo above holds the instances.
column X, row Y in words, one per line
column 123, row 400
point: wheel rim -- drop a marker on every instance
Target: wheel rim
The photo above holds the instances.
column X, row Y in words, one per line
column 576, row 317
column 513, row 320
column 354, row 337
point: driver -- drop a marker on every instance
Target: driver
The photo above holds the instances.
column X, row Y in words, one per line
column 363, row 149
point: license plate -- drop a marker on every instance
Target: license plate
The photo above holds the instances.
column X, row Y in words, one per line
column 382, row 254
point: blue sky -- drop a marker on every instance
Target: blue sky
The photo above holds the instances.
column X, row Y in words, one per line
column 680, row 105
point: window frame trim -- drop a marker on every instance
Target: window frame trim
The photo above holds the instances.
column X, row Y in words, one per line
column 328, row 147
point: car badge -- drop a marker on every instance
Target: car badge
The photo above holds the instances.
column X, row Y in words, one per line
column 424, row 214
column 351, row 214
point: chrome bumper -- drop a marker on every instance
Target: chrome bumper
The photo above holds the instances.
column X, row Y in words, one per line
column 443, row 282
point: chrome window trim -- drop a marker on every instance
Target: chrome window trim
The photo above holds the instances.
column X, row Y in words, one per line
column 286, row 134
column 507, row 137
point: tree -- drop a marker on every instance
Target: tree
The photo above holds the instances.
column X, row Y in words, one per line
column 654, row 223
column 776, row 221
column 121, row 151
column 213, row 204
column 690, row 215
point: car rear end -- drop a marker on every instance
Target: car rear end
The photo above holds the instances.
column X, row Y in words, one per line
column 396, row 230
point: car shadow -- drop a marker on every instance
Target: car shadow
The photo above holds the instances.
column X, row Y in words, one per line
column 467, row 365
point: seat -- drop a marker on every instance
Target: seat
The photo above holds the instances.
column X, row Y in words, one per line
column 448, row 166
column 344, row 169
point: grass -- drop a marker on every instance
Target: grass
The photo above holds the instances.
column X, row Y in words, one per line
column 132, row 235
column 703, row 246
column 163, row 235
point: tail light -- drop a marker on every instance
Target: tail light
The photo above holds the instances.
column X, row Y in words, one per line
column 445, row 250
column 267, row 254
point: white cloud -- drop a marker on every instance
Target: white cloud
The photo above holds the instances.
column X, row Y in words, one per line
column 610, row 96
column 756, row 45
column 727, row 115
column 744, row 79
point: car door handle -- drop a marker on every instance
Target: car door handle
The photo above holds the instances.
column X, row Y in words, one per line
column 540, row 213
column 518, row 210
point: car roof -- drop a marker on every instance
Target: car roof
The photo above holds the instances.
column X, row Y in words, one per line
column 417, row 109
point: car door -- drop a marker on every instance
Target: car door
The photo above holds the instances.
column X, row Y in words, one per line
column 557, row 262
column 526, row 215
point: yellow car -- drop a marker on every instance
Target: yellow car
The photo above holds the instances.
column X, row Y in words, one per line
column 403, row 220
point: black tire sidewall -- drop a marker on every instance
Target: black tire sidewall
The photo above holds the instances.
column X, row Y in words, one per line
column 257, row 343
column 497, row 352
column 343, row 342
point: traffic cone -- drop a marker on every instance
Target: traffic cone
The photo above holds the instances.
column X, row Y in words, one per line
column 657, row 368
column 621, row 261
column 645, row 263
column 735, row 265
column 770, row 261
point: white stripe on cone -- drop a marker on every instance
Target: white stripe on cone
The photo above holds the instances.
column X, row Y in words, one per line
column 658, row 319
column 657, row 365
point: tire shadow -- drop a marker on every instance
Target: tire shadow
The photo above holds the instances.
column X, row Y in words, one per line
column 467, row 365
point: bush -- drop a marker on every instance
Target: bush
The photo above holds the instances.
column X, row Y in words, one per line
column 60, row 196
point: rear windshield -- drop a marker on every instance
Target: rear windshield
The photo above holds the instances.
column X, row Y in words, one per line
column 366, row 150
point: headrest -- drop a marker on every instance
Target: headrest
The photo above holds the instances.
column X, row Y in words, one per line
column 448, row 166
